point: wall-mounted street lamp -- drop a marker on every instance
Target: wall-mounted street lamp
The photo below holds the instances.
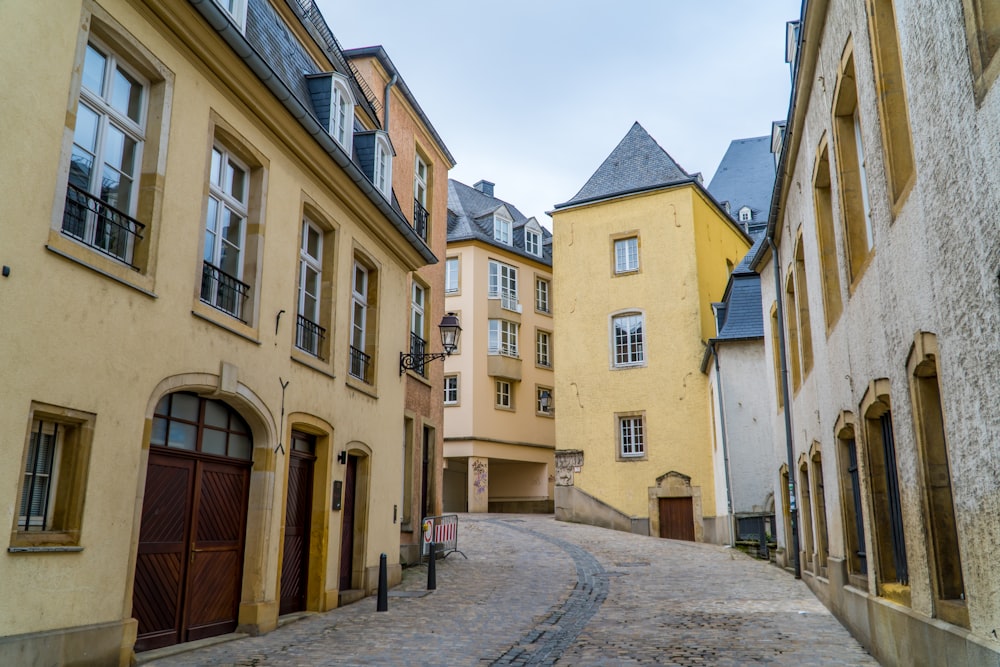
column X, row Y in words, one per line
column 545, row 400
column 451, row 329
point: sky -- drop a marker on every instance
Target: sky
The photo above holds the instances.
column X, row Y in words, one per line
column 532, row 95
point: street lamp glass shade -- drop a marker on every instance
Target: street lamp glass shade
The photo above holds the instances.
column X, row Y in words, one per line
column 544, row 398
column 450, row 332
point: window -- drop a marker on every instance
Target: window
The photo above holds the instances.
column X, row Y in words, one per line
column 503, row 338
column 504, row 396
column 982, row 23
column 225, row 235
column 309, row 334
column 503, row 285
column 805, row 516
column 542, row 295
column 451, row 268
column 418, row 344
column 383, row 165
column 102, row 193
column 237, row 10
column 631, row 436
column 850, row 500
column 54, row 477
column 858, row 233
column 533, row 243
column 802, row 300
column 892, row 108
column 627, row 339
column 341, row 112
column 776, row 354
column 186, row 421
column 542, row 349
column 363, row 290
column 627, row 255
column 827, row 247
column 420, row 215
column 544, row 401
column 792, row 324
column 818, row 493
column 502, row 228
column 451, row 390
column 746, row 214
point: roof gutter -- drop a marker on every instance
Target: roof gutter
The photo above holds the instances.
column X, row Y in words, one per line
column 221, row 23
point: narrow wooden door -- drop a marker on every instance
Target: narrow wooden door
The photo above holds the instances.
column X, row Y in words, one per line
column 677, row 518
column 295, row 556
column 347, row 532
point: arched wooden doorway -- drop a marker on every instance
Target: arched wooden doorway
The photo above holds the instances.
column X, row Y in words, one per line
column 189, row 565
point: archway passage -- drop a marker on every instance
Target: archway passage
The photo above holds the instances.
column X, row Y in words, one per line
column 189, row 565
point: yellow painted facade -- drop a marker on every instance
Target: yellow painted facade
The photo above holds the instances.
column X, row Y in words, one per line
column 686, row 247
column 95, row 344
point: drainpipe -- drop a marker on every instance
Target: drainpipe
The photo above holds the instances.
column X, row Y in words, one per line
column 725, row 448
column 792, row 509
column 385, row 105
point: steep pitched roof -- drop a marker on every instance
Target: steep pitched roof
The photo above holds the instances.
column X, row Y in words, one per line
column 470, row 217
column 745, row 177
column 637, row 163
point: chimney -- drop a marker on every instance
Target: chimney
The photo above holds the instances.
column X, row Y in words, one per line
column 485, row 187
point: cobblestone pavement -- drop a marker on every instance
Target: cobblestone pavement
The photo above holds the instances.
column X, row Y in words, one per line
column 535, row 591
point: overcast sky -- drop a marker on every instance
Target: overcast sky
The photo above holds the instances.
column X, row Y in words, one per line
column 534, row 94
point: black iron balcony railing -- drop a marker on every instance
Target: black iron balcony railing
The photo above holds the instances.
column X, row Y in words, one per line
column 420, row 216
column 360, row 364
column 101, row 226
column 418, row 346
column 309, row 337
column 223, row 291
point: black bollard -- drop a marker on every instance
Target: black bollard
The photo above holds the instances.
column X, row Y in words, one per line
column 432, row 583
column 383, row 585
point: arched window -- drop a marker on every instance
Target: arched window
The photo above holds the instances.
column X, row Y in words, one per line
column 186, row 421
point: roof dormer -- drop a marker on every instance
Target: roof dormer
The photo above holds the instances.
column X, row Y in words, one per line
column 746, row 215
column 533, row 237
column 333, row 103
column 375, row 153
column 503, row 225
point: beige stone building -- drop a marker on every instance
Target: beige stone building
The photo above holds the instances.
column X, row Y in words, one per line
column 420, row 174
column 498, row 387
column 206, row 280
column 881, row 292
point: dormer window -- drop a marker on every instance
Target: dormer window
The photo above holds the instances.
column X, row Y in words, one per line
column 533, row 243
column 341, row 112
column 383, row 165
column 502, row 228
column 745, row 214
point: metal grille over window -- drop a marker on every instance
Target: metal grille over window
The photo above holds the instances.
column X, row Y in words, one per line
column 39, row 482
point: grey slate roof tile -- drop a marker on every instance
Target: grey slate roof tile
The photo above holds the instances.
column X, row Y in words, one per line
column 743, row 314
column 636, row 163
column 746, row 177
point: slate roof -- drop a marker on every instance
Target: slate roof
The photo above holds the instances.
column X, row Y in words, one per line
column 746, row 177
column 637, row 163
column 470, row 217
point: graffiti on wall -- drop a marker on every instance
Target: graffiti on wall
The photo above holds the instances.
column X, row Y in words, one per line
column 480, row 477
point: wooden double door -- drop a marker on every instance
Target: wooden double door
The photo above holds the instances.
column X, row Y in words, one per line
column 189, row 567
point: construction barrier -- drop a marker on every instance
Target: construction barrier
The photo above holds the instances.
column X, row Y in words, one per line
column 442, row 531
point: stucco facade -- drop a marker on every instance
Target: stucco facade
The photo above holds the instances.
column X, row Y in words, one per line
column 890, row 377
column 646, row 379
column 100, row 345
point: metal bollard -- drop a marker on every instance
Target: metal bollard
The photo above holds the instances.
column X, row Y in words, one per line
column 383, row 585
column 432, row 570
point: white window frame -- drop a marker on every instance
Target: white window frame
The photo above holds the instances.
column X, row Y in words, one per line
column 307, row 263
column 451, row 275
column 359, row 306
column 220, row 183
column 745, row 214
column 237, row 11
column 631, row 349
column 418, row 300
column 631, row 436
column 503, row 338
column 382, row 170
column 503, row 395
column 542, row 292
column 451, row 391
column 543, row 349
column 627, row 254
column 420, row 181
column 502, row 284
column 533, row 242
column 502, row 228
column 341, row 112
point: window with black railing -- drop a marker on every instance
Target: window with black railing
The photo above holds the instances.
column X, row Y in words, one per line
column 418, row 346
column 223, row 291
column 360, row 364
column 101, row 226
column 420, row 217
column 309, row 337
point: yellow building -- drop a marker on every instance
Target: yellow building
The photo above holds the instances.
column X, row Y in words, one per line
column 206, row 286
column 498, row 391
column 641, row 253
column 416, row 143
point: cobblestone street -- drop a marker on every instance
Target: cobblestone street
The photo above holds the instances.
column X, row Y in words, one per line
column 535, row 591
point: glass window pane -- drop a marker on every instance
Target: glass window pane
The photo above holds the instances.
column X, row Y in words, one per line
column 230, row 260
column 93, row 70
column 85, row 132
column 111, row 187
column 239, row 446
column 213, row 442
column 232, row 228
column 216, row 176
column 182, row 436
column 216, row 414
column 236, row 178
column 184, row 406
column 159, row 433
column 126, row 95
column 313, row 242
column 163, row 405
column 80, row 169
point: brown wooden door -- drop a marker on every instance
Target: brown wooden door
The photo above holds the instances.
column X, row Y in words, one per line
column 190, row 555
column 677, row 518
column 347, row 532
column 295, row 556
